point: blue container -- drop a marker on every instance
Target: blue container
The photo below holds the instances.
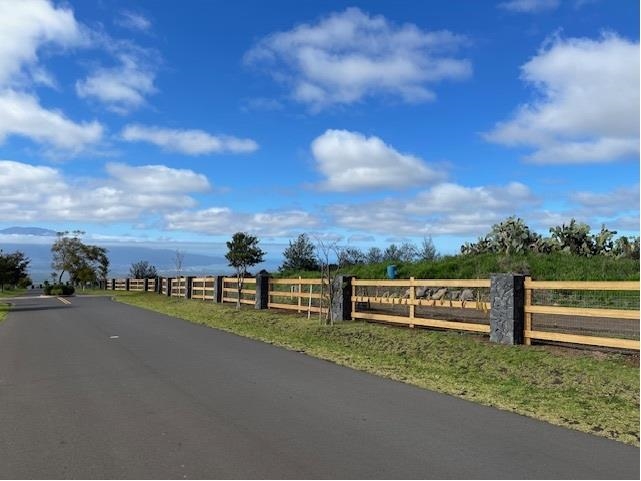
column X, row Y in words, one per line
column 391, row 272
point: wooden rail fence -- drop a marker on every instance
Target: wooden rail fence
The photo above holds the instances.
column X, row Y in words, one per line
column 590, row 312
column 230, row 290
column 179, row 287
column 563, row 312
column 202, row 288
column 137, row 285
column 410, row 299
column 300, row 295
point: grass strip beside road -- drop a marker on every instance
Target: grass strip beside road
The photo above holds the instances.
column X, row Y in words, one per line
column 5, row 306
column 592, row 392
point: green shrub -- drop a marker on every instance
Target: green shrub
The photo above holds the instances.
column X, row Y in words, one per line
column 58, row 290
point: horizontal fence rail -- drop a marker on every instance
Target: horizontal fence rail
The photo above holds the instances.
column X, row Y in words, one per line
column 136, row 284
column 443, row 304
column 230, row 290
column 573, row 312
column 203, row 288
column 300, row 295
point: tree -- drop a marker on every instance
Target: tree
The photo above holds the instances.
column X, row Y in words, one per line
column 13, row 269
column 243, row 252
column 392, row 253
column 83, row 262
column 351, row 256
column 427, row 251
column 142, row 270
column 374, row 255
column 329, row 273
column 408, row 252
column 299, row 255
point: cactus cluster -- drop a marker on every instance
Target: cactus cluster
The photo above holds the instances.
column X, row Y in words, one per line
column 513, row 236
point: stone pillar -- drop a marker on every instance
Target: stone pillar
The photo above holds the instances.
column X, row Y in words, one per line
column 169, row 279
column 188, row 281
column 113, row 284
column 218, row 289
column 507, row 298
column 341, row 308
column 262, row 290
column 127, row 284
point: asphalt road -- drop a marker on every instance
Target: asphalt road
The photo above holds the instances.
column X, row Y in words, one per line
column 97, row 389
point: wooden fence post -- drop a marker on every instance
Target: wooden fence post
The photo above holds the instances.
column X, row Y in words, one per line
column 412, row 296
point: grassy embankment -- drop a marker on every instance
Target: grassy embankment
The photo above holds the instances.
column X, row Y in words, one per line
column 593, row 392
column 548, row 267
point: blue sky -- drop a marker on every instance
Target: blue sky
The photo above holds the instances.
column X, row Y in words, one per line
column 365, row 122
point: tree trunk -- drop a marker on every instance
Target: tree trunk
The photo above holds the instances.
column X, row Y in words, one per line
column 240, row 290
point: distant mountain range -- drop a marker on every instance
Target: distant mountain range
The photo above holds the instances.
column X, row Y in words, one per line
column 37, row 231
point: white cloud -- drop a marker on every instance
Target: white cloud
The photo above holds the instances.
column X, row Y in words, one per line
column 224, row 221
column 26, row 29
column 158, row 178
column 28, row 26
column 122, row 88
column 350, row 161
column 448, row 198
column 588, row 105
column 351, row 55
column 613, row 203
column 133, row 21
column 446, row 209
column 530, row 6
column 36, row 193
column 190, row 142
column 21, row 114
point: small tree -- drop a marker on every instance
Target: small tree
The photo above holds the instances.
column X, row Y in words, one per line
column 427, row 251
column 179, row 258
column 351, row 256
column 299, row 255
column 374, row 255
column 329, row 273
column 408, row 252
column 243, row 252
column 392, row 253
column 142, row 270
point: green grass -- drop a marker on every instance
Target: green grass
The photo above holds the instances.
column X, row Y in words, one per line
column 4, row 307
column 593, row 392
column 11, row 292
column 544, row 267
